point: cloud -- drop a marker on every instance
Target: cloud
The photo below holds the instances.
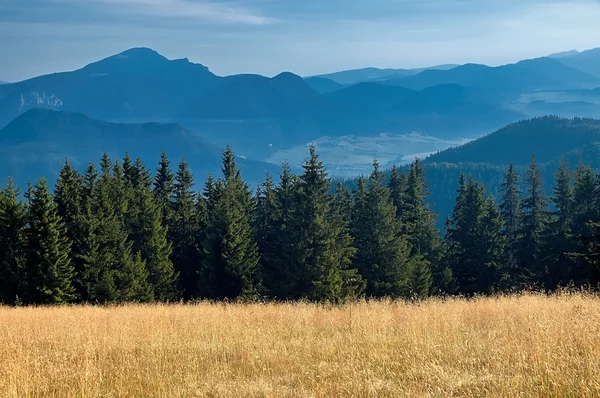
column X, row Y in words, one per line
column 189, row 9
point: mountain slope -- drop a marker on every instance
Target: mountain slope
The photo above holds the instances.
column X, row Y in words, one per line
column 354, row 76
column 507, row 80
column 586, row 61
column 37, row 143
column 323, row 85
column 551, row 139
column 138, row 84
column 548, row 137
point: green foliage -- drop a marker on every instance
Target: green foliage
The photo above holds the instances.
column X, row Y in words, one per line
column 474, row 241
column 48, row 269
column 119, row 234
column 535, row 219
column 111, row 272
column 230, row 250
column 383, row 255
column 13, row 219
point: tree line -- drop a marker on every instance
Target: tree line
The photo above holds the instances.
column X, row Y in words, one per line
column 118, row 233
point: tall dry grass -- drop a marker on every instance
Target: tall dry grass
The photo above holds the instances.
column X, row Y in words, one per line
column 526, row 346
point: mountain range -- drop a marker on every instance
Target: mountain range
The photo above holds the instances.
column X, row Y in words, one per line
column 140, row 101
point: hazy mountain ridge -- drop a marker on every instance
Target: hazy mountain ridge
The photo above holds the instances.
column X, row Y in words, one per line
column 37, row 143
column 262, row 117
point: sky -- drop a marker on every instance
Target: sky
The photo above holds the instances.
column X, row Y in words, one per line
column 306, row 37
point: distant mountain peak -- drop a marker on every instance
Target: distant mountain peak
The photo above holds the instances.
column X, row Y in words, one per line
column 564, row 54
column 138, row 52
column 288, row 76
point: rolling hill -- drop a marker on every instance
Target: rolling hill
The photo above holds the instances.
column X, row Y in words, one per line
column 37, row 143
column 354, row 76
column 323, row 85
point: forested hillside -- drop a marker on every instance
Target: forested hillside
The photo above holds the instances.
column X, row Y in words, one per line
column 117, row 232
column 552, row 139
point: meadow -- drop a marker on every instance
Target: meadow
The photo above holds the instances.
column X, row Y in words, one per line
column 520, row 346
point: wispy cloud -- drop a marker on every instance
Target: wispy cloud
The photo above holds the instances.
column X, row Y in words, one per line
column 207, row 10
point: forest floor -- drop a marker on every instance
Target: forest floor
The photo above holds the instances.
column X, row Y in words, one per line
column 520, row 346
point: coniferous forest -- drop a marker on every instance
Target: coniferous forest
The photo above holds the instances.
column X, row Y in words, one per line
column 117, row 232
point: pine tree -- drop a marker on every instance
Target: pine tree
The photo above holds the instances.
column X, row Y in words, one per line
column 535, row 219
column 319, row 275
column 339, row 219
column 398, row 187
column 183, row 230
column 418, row 217
column 164, row 186
column 69, row 196
column 558, row 237
column 149, row 236
column 383, row 253
column 585, row 215
column 511, row 212
column 267, row 233
column 231, row 251
column 280, row 214
column 13, row 219
column 49, row 272
column 474, row 244
column 111, row 271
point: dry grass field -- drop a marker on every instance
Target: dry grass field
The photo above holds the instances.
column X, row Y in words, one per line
column 526, row 346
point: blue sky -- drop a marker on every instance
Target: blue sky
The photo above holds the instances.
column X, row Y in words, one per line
column 303, row 36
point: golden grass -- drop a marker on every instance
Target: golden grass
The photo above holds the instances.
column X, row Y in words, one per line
column 525, row 346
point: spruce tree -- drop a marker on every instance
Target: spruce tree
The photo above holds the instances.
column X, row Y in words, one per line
column 111, row 271
column 474, row 244
column 339, row 220
column 383, row 253
column 534, row 207
column 558, row 238
column 585, row 215
column 163, row 188
column 279, row 214
column 231, row 253
column 48, row 269
column 149, row 236
column 398, row 187
column 319, row 275
column 418, row 218
column 69, row 199
column 511, row 212
column 13, row 219
column 183, row 230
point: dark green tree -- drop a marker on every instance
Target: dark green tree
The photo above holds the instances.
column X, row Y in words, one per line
column 474, row 244
column 231, row 253
column 49, row 272
column 585, row 215
column 535, row 219
column 163, row 189
column 512, row 217
column 183, row 231
column 383, row 253
column 69, row 198
column 149, row 237
column 558, row 240
column 13, row 219
column 111, row 271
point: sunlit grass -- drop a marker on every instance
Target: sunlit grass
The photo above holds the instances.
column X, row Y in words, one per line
column 524, row 346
